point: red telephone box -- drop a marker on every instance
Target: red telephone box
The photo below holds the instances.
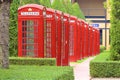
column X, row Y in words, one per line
column 90, row 50
column 79, row 45
column 31, row 31
column 86, row 41
column 65, row 40
column 73, row 39
column 98, row 41
column 62, row 25
column 50, row 34
column 59, row 16
column 94, row 41
column 83, row 39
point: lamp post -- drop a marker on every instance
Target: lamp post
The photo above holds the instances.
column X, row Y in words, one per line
column 105, row 29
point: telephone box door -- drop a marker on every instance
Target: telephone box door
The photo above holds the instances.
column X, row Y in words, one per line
column 30, row 34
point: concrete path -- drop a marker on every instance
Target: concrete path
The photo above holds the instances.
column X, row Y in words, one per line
column 81, row 71
column 105, row 79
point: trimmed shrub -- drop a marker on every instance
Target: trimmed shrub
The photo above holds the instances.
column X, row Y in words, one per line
column 105, row 69
column 102, row 48
column 33, row 61
column 20, row 72
column 101, row 66
column 115, row 30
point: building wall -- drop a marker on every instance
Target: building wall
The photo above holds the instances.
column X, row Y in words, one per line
column 95, row 7
column 96, row 14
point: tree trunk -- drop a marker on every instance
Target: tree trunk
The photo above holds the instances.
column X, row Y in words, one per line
column 73, row 1
column 0, row 55
column 4, row 32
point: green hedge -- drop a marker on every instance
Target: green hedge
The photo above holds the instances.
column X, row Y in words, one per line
column 115, row 30
column 101, row 66
column 102, row 48
column 28, row 72
column 32, row 61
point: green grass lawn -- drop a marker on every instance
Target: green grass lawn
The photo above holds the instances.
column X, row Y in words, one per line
column 19, row 72
column 79, row 61
column 102, row 56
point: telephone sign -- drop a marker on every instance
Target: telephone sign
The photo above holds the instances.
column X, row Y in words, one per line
column 30, row 13
column 95, row 25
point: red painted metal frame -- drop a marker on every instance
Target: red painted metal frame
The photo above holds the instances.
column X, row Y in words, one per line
column 79, row 43
column 59, row 16
column 51, row 24
column 65, row 40
column 90, row 41
column 98, row 41
column 40, row 41
column 73, row 39
column 94, row 41
column 86, row 39
column 83, row 39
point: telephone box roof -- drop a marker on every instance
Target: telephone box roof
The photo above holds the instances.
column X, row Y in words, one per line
column 32, row 5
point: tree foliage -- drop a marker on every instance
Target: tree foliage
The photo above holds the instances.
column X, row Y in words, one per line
column 77, row 11
column 68, row 6
column 58, row 5
column 115, row 30
column 23, row 2
column 46, row 3
column 13, row 27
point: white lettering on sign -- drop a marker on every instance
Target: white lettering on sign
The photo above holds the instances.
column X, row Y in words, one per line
column 72, row 20
column 49, row 16
column 30, row 13
column 65, row 19
column 57, row 17
column 95, row 25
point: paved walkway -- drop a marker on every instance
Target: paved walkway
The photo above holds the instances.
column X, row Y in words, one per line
column 81, row 71
column 106, row 79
